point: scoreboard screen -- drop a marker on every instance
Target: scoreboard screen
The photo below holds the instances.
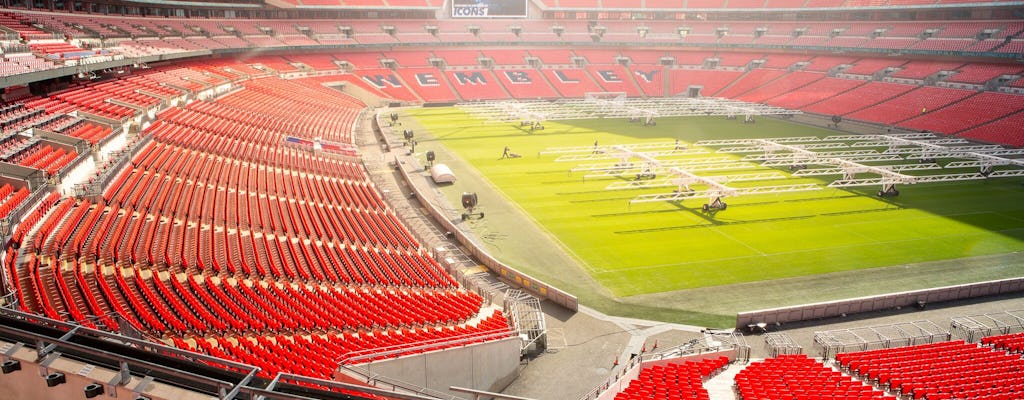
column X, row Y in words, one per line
column 489, row 8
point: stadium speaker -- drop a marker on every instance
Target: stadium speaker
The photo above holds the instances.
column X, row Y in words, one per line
column 55, row 379
column 10, row 366
column 93, row 390
column 468, row 200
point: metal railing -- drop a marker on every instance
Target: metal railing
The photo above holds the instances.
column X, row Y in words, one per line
column 367, row 355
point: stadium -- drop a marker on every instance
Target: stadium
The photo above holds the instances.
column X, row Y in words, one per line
column 512, row 199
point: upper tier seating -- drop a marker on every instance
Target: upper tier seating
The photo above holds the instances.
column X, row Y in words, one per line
column 924, row 69
column 981, row 73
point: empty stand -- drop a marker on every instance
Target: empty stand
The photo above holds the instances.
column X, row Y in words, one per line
column 526, row 84
column 862, row 96
column 1002, row 131
column 571, row 82
column 1011, row 342
column 943, row 370
column 967, row 113
column 798, row 376
column 710, row 81
column 683, row 380
column 910, row 104
column 820, row 90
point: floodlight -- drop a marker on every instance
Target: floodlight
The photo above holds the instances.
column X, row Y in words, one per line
column 469, row 202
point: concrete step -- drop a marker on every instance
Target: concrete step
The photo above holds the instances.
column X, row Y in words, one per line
column 721, row 386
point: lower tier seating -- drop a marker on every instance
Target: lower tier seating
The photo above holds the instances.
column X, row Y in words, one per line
column 943, row 370
column 800, row 377
column 1012, row 342
column 682, row 381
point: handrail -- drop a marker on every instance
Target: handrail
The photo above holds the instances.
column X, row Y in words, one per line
column 360, row 356
column 65, row 343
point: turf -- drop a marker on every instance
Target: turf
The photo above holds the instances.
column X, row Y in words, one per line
column 655, row 248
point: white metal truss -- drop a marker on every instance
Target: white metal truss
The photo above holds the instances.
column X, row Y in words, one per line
column 567, row 109
column 904, row 136
column 950, row 153
column 667, row 163
column 753, row 142
column 918, row 179
column 803, row 155
column 989, row 157
column 656, row 170
column 1006, row 173
column 646, row 184
column 791, row 161
column 604, row 149
column 613, row 154
column 896, row 167
column 679, row 196
column 809, row 146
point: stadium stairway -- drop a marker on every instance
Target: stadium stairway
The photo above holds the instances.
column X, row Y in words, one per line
column 633, row 82
column 494, row 79
column 721, row 386
column 547, row 81
column 414, row 92
column 730, row 85
column 451, row 87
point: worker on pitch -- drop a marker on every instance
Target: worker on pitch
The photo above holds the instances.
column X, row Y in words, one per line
column 509, row 154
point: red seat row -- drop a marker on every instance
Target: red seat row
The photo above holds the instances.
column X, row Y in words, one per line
column 940, row 370
column 1012, row 342
column 799, row 377
column 682, row 381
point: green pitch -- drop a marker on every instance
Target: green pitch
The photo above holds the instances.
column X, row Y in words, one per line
column 655, row 259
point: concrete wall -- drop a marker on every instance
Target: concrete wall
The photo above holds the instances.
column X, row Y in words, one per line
column 487, row 366
column 876, row 303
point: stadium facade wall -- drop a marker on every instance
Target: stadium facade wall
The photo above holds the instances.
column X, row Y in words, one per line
column 807, row 312
column 29, row 383
column 489, row 366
